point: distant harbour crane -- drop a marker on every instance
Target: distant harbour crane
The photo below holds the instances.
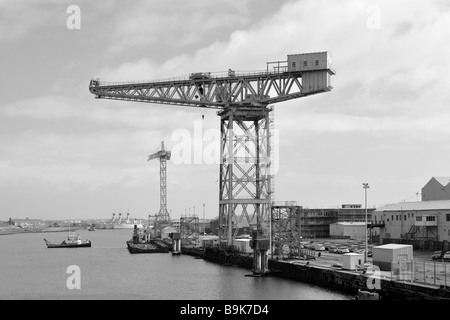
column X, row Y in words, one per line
column 162, row 219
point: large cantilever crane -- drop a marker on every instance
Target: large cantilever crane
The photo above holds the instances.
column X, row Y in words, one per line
column 162, row 218
column 243, row 101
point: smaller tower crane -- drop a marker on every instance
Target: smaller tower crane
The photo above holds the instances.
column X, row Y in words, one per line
column 162, row 219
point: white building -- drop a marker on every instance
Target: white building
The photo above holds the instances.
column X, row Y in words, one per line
column 409, row 221
column 351, row 230
column 438, row 188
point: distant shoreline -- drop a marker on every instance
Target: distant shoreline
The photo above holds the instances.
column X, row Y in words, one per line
column 6, row 231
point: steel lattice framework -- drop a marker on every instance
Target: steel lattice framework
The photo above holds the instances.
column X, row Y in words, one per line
column 243, row 100
column 286, row 226
column 190, row 230
column 209, row 92
column 245, row 188
column 162, row 219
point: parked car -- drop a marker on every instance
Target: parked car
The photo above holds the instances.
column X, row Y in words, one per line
column 437, row 255
column 332, row 249
column 319, row 247
column 447, row 256
column 342, row 250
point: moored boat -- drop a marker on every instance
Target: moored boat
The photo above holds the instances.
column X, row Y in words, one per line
column 73, row 241
column 142, row 243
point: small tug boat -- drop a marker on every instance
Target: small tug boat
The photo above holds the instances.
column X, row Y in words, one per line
column 73, row 241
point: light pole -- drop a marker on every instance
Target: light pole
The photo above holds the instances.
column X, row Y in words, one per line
column 204, row 222
column 365, row 186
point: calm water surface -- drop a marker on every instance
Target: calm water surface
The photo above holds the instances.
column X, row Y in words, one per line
column 29, row 270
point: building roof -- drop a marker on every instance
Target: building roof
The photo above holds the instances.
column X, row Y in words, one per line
column 392, row 246
column 442, row 180
column 351, row 223
column 416, row 206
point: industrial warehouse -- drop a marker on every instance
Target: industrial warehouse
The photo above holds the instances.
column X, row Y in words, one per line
column 424, row 224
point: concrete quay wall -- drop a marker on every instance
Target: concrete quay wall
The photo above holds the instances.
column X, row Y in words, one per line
column 348, row 282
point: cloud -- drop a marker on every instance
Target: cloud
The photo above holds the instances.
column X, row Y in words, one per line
column 383, row 76
column 56, row 141
column 19, row 18
column 175, row 23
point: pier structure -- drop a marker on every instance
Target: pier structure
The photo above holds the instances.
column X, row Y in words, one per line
column 260, row 245
column 176, row 243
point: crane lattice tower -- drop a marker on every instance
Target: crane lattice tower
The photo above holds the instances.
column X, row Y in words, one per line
column 162, row 218
column 244, row 101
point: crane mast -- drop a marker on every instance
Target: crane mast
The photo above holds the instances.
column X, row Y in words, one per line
column 162, row 218
column 243, row 101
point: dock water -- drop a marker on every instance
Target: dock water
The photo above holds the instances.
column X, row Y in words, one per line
column 349, row 282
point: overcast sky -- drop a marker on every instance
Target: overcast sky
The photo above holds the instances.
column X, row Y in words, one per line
column 64, row 154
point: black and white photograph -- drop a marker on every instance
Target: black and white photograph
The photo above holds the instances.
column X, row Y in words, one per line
column 225, row 156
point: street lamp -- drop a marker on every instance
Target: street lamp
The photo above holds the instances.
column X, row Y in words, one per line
column 365, row 186
column 204, row 222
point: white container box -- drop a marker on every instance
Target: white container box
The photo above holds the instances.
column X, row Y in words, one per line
column 351, row 260
column 243, row 245
column 383, row 256
column 392, row 252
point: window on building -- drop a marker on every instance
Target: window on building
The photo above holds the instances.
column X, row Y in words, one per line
column 293, row 64
column 412, row 215
column 448, row 216
column 405, row 216
column 418, row 218
column 396, row 217
column 317, row 62
column 409, row 215
column 305, row 63
column 431, row 218
column 392, row 217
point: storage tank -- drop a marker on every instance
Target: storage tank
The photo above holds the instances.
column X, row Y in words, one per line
column 383, row 256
